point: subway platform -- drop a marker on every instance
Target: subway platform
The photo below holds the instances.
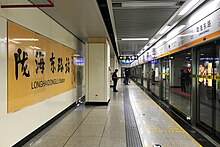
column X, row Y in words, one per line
column 131, row 119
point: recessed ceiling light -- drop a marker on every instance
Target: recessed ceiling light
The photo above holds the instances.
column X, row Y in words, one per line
column 146, row 46
column 152, row 41
column 129, row 39
column 181, row 27
column 188, row 6
column 164, row 29
column 147, row 4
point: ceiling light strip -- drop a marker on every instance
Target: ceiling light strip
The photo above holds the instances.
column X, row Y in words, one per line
column 139, row 39
column 147, row 4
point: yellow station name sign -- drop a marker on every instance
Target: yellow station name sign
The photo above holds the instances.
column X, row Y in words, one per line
column 38, row 67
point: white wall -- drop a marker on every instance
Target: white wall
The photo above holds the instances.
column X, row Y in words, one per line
column 15, row 126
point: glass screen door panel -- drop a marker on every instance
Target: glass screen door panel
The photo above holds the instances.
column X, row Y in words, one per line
column 166, row 79
column 180, row 82
column 217, row 99
column 206, row 57
column 154, row 77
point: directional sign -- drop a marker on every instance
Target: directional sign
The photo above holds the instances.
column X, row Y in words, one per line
column 128, row 57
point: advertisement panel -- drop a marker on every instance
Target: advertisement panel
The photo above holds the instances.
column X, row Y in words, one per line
column 38, row 67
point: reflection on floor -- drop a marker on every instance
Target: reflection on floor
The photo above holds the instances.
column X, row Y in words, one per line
column 154, row 87
column 104, row 126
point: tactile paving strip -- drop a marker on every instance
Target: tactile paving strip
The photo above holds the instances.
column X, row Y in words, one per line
column 132, row 134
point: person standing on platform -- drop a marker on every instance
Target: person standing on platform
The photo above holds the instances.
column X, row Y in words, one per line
column 153, row 77
column 126, row 77
column 115, row 80
column 183, row 80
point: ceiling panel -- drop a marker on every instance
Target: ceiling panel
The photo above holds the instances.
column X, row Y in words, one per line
column 146, row 0
column 140, row 21
column 80, row 17
column 83, row 19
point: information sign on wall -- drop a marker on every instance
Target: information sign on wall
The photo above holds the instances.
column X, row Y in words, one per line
column 38, row 67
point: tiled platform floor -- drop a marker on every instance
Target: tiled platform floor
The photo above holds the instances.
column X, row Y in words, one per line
column 104, row 126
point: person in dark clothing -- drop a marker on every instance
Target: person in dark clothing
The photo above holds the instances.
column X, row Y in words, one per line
column 183, row 80
column 126, row 77
column 115, row 80
column 153, row 77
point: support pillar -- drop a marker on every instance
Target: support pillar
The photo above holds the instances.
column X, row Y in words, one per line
column 98, row 71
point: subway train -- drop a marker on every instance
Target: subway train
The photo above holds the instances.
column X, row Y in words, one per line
column 182, row 69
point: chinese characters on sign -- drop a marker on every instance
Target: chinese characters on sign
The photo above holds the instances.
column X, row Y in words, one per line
column 52, row 62
column 67, row 65
column 41, row 62
column 18, row 61
column 38, row 67
column 60, row 65
column 204, row 28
